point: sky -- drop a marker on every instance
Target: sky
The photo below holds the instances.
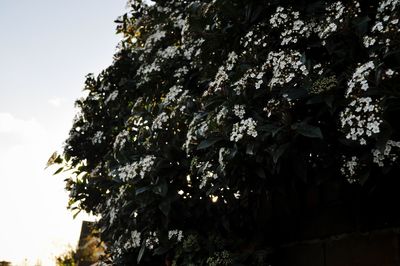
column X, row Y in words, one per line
column 46, row 49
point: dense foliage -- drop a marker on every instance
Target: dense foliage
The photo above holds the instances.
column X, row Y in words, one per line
column 216, row 114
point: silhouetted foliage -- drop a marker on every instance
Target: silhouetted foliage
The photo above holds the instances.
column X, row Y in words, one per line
column 220, row 121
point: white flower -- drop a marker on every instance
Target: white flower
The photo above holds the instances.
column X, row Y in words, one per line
column 176, row 234
column 159, row 121
column 98, row 136
column 361, row 119
column 359, row 78
column 379, row 157
column 349, row 169
column 286, row 65
column 137, row 169
column 247, row 127
column 135, row 239
column 239, row 110
column 111, row 97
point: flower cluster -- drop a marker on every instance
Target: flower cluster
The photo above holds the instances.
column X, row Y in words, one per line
column 159, row 121
column 111, row 97
column 134, row 241
column 361, row 119
column 221, row 115
column 239, row 110
column 97, row 138
column 335, row 15
column 221, row 77
column 251, row 76
column 175, row 234
column 140, row 168
column 255, row 38
column 349, row 169
column 244, row 127
column 387, row 24
column 206, row 173
column 152, row 240
column 286, row 66
column 120, row 140
column 379, row 157
column 291, row 25
column 172, row 94
column 360, row 78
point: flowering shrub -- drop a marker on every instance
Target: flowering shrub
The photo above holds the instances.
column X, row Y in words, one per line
column 216, row 114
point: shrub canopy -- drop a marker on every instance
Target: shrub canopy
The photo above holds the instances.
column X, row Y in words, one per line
column 216, row 116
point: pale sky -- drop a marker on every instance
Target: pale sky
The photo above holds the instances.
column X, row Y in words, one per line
column 46, row 49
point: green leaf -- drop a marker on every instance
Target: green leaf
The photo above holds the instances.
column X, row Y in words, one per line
column 260, row 172
column 165, row 207
column 141, row 252
column 308, row 130
column 361, row 25
column 161, row 250
column 279, row 152
column 161, row 188
column 142, row 189
column 59, row 170
column 208, row 143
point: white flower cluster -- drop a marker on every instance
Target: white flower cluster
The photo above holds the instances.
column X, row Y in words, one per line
column 196, row 128
column 134, row 241
column 219, row 81
column 193, row 49
column 349, row 169
column 360, row 78
column 111, row 97
column 386, row 18
column 286, row 65
column 221, row 158
column 221, row 77
column 272, row 106
column 231, row 61
column 152, row 240
column 368, row 41
column 180, row 73
column 206, row 173
column 159, row 121
column 154, row 38
column 98, row 136
column 380, row 156
column 293, row 28
column 239, row 110
column 120, row 140
column 386, row 24
column 335, row 18
column 146, row 69
column 221, row 115
column 175, row 234
column 254, row 39
column 361, row 119
column 251, row 76
column 169, row 53
column 244, row 127
column 173, row 92
column 140, row 168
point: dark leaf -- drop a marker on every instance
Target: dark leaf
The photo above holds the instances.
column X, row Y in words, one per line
column 141, row 252
column 59, row 170
column 142, row 189
column 279, row 152
column 208, row 143
column 308, row 130
column 165, row 207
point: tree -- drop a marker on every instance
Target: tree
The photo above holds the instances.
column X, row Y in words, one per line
column 219, row 122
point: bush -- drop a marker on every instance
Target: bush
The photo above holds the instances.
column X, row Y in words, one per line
column 217, row 116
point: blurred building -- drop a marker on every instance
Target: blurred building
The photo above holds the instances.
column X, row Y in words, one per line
column 90, row 248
